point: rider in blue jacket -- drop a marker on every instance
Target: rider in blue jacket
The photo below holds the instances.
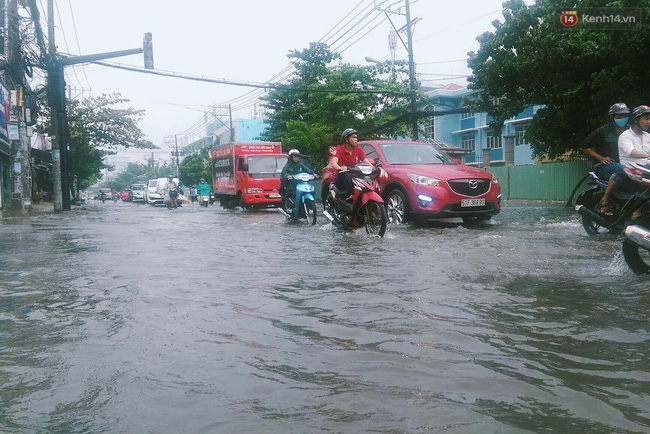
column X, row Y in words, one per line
column 293, row 167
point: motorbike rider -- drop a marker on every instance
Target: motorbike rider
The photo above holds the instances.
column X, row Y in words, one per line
column 203, row 189
column 345, row 155
column 170, row 188
column 293, row 167
column 602, row 146
column 634, row 143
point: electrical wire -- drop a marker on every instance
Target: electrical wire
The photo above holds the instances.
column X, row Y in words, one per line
column 76, row 35
column 287, row 71
column 65, row 40
column 251, row 98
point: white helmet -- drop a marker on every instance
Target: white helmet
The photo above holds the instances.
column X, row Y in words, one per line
column 294, row 152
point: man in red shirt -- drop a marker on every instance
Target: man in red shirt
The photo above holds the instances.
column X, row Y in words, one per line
column 348, row 154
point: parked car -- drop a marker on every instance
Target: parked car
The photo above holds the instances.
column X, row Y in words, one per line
column 424, row 183
column 151, row 194
column 137, row 192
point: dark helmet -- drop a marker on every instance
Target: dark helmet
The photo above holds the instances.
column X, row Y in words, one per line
column 618, row 109
column 347, row 133
column 639, row 111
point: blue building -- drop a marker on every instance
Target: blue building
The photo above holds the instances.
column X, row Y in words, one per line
column 471, row 131
column 245, row 130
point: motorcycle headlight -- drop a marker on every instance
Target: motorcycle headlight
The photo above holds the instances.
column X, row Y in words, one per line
column 424, row 180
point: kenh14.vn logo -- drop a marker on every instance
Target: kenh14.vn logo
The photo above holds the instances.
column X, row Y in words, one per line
column 569, row 18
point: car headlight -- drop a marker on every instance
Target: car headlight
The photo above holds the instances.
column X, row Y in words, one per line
column 495, row 179
column 424, row 180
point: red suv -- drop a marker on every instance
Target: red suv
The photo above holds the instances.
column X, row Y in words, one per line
column 423, row 182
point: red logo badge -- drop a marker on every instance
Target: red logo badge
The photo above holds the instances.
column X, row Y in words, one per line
column 569, row 18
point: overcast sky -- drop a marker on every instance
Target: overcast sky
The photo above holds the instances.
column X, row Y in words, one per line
column 248, row 40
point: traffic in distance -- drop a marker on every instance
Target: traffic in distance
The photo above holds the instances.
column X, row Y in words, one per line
column 365, row 184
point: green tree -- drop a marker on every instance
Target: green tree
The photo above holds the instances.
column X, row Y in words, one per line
column 306, row 116
column 96, row 124
column 193, row 168
column 576, row 74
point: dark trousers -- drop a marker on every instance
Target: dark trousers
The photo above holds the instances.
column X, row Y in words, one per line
column 344, row 182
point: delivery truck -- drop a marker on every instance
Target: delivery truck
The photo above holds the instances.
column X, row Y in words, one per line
column 247, row 174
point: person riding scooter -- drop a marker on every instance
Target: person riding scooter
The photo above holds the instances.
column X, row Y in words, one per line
column 203, row 189
column 293, row 167
column 171, row 190
column 348, row 154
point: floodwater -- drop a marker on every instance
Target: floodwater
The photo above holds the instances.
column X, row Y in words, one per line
column 122, row 317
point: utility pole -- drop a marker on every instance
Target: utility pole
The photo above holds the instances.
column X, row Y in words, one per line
column 53, row 79
column 414, row 104
column 392, row 46
column 62, row 161
column 176, row 145
column 20, row 167
column 232, row 131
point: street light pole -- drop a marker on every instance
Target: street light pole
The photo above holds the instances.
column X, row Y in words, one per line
column 414, row 104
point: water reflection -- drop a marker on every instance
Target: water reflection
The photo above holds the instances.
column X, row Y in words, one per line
column 134, row 318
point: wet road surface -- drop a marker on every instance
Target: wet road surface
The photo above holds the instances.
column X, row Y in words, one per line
column 125, row 317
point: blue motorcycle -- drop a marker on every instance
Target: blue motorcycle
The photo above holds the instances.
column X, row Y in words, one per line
column 303, row 204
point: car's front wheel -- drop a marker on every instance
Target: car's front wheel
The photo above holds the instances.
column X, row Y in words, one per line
column 397, row 207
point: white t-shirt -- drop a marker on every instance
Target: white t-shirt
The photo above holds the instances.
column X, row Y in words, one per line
column 629, row 141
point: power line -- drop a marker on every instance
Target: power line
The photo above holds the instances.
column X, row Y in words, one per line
column 457, row 26
column 247, row 102
column 65, row 40
column 74, row 25
column 443, row 61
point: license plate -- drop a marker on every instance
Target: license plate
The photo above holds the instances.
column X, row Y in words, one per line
column 274, row 195
column 472, row 202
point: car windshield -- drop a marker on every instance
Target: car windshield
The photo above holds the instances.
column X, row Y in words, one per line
column 268, row 165
column 153, row 183
column 411, row 153
column 137, row 186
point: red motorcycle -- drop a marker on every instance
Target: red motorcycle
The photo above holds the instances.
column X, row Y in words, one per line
column 365, row 207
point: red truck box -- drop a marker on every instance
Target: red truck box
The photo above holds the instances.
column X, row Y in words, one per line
column 247, row 174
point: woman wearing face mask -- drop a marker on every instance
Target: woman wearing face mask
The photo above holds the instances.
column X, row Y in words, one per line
column 602, row 146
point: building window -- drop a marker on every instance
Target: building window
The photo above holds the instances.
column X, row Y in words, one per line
column 520, row 136
column 494, row 100
column 468, row 142
column 429, row 123
column 493, row 142
column 466, row 115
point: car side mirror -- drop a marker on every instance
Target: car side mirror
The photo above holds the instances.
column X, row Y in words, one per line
column 243, row 167
column 378, row 162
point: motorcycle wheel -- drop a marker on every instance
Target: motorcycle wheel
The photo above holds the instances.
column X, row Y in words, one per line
column 637, row 258
column 375, row 219
column 593, row 203
column 310, row 211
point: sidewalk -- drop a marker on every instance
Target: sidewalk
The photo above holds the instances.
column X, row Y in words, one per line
column 38, row 209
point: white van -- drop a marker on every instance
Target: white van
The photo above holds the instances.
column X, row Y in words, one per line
column 151, row 193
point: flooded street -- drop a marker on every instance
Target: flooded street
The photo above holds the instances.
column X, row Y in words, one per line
column 121, row 317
